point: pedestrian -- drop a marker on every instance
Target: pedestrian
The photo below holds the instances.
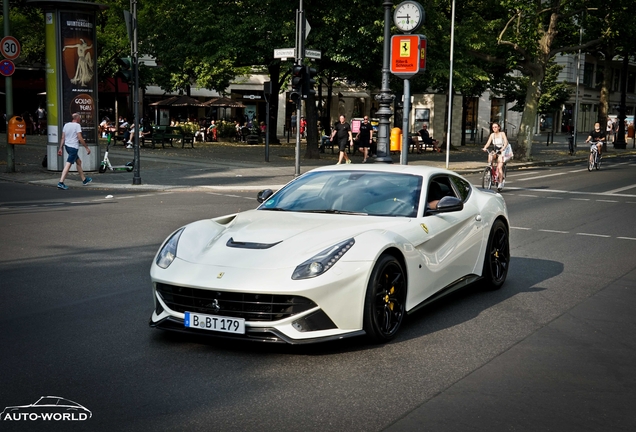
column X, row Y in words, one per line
column 426, row 140
column 41, row 116
column 293, row 123
column 610, row 128
column 303, row 126
column 342, row 132
column 71, row 139
column 364, row 139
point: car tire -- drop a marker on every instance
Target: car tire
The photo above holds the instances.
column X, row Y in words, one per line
column 497, row 258
column 385, row 300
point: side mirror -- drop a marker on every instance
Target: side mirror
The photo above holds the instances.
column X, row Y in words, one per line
column 264, row 194
column 447, row 204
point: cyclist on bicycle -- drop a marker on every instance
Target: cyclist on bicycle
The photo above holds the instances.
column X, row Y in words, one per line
column 598, row 137
column 500, row 141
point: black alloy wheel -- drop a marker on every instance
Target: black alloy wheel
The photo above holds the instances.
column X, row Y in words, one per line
column 497, row 259
column 385, row 301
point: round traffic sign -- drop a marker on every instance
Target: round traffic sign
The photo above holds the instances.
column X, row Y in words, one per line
column 7, row 67
column 10, row 47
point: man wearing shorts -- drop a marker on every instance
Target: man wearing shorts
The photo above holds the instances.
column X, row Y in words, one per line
column 342, row 132
column 71, row 139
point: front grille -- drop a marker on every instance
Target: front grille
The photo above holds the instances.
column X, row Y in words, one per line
column 251, row 307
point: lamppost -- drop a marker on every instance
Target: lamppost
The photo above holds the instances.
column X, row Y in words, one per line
column 450, row 86
column 385, row 98
column 578, row 77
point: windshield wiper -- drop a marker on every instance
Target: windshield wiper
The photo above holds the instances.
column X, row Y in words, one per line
column 274, row 209
column 336, row 212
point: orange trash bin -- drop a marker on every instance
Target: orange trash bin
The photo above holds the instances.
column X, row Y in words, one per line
column 16, row 130
column 396, row 140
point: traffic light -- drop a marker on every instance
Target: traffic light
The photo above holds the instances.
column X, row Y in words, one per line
column 297, row 82
column 309, row 81
column 125, row 68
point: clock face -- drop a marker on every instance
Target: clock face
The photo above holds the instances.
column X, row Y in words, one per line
column 408, row 16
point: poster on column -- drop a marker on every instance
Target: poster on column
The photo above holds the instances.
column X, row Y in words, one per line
column 79, row 70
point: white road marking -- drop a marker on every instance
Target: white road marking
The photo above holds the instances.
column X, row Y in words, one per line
column 626, row 238
column 554, row 231
column 555, row 198
column 521, row 228
column 580, row 199
column 621, row 189
column 52, row 204
column 526, row 195
column 614, row 201
column 593, row 235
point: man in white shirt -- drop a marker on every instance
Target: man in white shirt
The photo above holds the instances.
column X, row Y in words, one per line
column 71, row 139
column 610, row 128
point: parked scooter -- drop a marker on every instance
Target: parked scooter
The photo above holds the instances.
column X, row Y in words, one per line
column 106, row 165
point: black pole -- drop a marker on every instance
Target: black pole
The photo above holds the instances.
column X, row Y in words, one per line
column 135, row 60
column 385, row 98
column 619, row 141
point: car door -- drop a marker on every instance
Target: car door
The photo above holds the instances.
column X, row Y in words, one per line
column 450, row 242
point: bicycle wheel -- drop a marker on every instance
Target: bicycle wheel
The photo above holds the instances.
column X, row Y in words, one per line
column 598, row 162
column 590, row 164
column 486, row 179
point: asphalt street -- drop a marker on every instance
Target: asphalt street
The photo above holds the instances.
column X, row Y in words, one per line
column 552, row 350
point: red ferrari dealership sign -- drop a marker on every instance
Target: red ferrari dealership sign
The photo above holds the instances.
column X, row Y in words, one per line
column 408, row 55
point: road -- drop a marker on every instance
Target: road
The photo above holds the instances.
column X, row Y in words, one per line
column 552, row 350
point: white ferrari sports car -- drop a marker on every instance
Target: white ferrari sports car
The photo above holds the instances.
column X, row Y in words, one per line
column 340, row 251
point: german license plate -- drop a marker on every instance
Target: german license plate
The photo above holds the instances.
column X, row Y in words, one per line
column 214, row 323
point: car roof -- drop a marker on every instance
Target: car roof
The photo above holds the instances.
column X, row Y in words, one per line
column 420, row 170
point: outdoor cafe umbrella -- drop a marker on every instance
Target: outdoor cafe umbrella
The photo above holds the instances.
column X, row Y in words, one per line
column 224, row 102
column 179, row 101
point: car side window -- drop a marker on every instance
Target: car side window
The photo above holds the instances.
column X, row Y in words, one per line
column 462, row 187
column 438, row 188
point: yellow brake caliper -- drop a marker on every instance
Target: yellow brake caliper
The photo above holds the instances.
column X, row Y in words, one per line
column 387, row 298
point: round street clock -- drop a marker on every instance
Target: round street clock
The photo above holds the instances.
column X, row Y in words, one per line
column 408, row 16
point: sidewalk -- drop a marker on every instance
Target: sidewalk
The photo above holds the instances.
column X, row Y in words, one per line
column 235, row 166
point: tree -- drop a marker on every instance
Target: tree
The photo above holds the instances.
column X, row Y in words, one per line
column 532, row 33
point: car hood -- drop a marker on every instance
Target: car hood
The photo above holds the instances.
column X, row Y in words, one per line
column 267, row 239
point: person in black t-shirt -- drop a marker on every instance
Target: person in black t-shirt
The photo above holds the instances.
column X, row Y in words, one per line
column 364, row 138
column 598, row 136
column 342, row 132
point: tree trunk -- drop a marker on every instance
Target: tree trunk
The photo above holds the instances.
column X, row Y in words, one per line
column 274, row 78
column 533, row 93
column 603, row 106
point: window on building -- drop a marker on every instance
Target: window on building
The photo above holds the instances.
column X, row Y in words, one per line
column 631, row 82
column 599, row 78
column 588, row 74
column 497, row 111
column 617, row 80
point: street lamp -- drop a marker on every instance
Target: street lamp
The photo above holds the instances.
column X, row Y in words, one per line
column 450, row 85
column 385, row 98
column 578, row 77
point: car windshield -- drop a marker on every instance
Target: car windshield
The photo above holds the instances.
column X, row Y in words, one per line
column 350, row 192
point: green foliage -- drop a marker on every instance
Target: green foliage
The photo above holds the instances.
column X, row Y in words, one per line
column 225, row 129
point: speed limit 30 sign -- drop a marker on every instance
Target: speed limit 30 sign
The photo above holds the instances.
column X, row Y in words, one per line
column 10, row 47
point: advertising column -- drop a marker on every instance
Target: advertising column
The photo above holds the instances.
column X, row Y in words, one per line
column 71, row 82
column 79, row 78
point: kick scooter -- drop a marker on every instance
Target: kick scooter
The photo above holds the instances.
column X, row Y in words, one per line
column 106, row 165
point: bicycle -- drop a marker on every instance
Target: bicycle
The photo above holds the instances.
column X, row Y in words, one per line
column 490, row 176
column 595, row 158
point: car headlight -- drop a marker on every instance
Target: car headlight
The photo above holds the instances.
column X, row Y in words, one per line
column 168, row 252
column 320, row 263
